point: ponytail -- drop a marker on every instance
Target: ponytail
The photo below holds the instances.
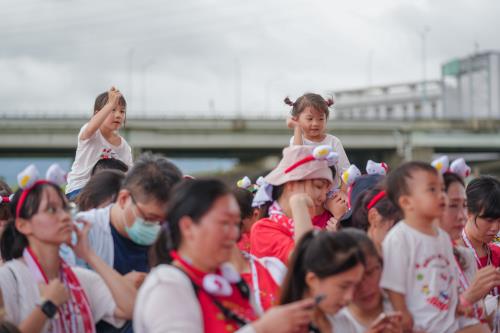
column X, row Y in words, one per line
column 294, row 285
column 12, row 242
column 193, row 199
column 323, row 253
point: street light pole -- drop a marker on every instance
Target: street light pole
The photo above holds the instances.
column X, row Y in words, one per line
column 423, row 36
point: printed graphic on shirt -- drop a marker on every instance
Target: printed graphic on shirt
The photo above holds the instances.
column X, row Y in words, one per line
column 435, row 280
column 108, row 153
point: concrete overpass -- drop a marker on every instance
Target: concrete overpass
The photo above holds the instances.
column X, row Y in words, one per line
column 249, row 139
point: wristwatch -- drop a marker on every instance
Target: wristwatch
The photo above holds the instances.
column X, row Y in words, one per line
column 48, row 308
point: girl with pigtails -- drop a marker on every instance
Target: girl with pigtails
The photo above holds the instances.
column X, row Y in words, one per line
column 308, row 119
column 40, row 291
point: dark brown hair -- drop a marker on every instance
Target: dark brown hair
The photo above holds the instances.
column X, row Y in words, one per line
column 309, row 100
column 5, row 191
column 483, row 197
column 152, row 177
column 323, row 253
column 101, row 187
column 109, row 164
column 244, row 198
column 450, row 178
column 397, row 180
column 102, row 99
column 385, row 207
column 193, row 198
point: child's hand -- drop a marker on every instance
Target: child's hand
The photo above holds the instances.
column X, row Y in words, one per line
column 291, row 122
column 114, row 96
column 332, row 224
column 407, row 322
column 337, row 205
column 135, row 278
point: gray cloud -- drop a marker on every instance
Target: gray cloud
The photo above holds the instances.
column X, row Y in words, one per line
column 184, row 57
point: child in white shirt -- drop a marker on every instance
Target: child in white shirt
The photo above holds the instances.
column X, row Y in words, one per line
column 419, row 275
column 308, row 120
column 98, row 139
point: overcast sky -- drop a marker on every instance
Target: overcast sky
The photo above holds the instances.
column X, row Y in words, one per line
column 216, row 57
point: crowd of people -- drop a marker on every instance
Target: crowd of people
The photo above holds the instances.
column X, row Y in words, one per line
column 314, row 246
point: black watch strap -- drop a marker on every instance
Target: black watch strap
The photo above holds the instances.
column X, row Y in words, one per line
column 49, row 308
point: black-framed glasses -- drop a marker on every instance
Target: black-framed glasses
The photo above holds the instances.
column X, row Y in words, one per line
column 141, row 212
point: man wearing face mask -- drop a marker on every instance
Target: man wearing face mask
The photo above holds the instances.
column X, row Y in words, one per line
column 123, row 232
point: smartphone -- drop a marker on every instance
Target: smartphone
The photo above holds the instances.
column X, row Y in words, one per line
column 380, row 319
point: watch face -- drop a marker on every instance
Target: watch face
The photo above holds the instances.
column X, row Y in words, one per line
column 49, row 309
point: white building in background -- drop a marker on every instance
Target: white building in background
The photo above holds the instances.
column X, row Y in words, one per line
column 469, row 88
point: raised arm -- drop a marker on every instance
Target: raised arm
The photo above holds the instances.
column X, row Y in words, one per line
column 122, row 289
column 301, row 205
column 98, row 118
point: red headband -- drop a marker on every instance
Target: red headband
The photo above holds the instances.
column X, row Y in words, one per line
column 376, row 199
column 25, row 193
column 299, row 163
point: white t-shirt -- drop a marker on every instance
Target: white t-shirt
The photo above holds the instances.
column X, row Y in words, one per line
column 334, row 142
column 20, row 294
column 345, row 322
column 422, row 267
column 99, row 237
column 166, row 287
column 88, row 152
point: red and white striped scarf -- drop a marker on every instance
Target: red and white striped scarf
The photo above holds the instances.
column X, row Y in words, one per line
column 75, row 315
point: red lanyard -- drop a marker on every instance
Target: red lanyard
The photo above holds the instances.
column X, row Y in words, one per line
column 77, row 307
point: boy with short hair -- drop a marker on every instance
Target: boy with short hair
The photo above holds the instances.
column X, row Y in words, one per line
column 419, row 276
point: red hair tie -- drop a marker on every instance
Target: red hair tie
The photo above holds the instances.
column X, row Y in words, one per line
column 6, row 199
column 375, row 199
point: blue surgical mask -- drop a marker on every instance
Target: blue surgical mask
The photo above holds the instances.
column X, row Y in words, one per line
column 143, row 232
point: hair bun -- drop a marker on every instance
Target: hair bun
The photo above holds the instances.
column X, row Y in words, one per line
column 288, row 101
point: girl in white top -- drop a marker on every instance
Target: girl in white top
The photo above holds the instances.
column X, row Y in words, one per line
column 327, row 266
column 193, row 289
column 99, row 138
column 308, row 120
column 41, row 293
column 369, row 311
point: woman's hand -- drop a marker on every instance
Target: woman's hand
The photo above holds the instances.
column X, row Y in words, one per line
column 301, row 202
column 485, row 279
column 55, row 291
column 135, row 278
column 82, row 248
column 288, row 318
